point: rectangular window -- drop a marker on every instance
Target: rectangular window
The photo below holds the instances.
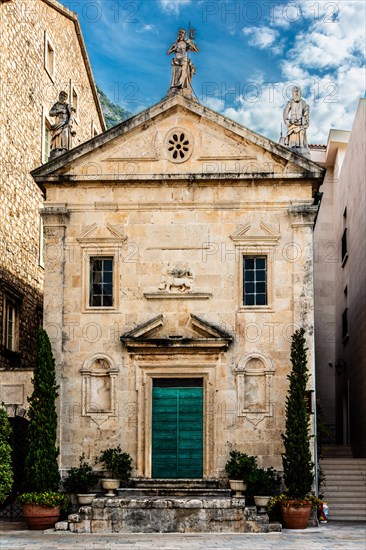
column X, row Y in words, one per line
column 75, row 101
column 344, row 247
column 345, row 324
column 46, row 146
column 101, row 282
column 49, row 57
column 255, row 281
column 10, row 327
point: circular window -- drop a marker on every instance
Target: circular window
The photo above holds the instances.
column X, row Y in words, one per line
column 179, row 145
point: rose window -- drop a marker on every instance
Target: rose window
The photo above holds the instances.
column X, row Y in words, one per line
column 179, row 145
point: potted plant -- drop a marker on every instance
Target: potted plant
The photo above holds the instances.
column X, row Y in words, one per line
column 264, row 484
column 6, row 471
column 80, row 480
column 42, row 502
column 118, row 466
column 296, row 503
column 240, row 468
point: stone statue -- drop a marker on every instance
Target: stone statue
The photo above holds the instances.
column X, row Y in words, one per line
column 62, row 130
column 296, row 118
column 182, row 67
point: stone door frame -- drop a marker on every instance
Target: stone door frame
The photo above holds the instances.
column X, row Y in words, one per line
column 174, row 367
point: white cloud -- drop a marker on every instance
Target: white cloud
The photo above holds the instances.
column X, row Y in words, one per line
column 173, row 5
column 263, row 38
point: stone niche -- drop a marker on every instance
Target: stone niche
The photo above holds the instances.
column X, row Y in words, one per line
column 254, row 386
column 98, row 388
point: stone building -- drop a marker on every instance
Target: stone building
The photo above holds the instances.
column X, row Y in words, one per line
column 340, row 292
column 42, row 53
column 184, row 264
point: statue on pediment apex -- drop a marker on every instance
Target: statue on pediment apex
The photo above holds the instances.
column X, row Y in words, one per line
column 182, row 67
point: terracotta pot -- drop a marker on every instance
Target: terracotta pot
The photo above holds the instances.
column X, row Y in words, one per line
column 237, row 486
column 40, row 517
column 85, row 499
column 295, row 517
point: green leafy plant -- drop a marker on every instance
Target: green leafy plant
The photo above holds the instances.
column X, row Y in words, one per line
column 116, row 462
column 45, row 498
column 296, row 460
column 81, row 479
column 284, row 500
column 265, row 482
column 41, row 468
column 240, row 466
column 6, row 470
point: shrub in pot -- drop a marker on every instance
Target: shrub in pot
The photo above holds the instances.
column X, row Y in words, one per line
column 240, row 469
column 80, row 480
column 118, row 466
column 265, row 483
column 296, row 503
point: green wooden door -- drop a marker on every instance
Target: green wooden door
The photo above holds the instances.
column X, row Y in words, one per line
column 177, row 432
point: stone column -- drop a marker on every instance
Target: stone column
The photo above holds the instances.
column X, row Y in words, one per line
column 55, row 220
column 302, row 222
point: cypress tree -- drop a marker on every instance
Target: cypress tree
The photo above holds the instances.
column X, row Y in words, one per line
column 6, row 470
column 41, row 468
column 296, row 460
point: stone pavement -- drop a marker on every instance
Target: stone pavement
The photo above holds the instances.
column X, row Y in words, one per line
column 333, row 536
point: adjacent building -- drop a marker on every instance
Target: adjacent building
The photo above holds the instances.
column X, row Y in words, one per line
column 42, row 53
column 340, row 291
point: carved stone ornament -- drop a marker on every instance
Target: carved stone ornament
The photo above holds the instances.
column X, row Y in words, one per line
column 254, row 386
column 178, row 279
column 179, row 145
column 98, row 388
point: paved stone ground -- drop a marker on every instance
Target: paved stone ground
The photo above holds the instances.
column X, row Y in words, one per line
column 333, row 536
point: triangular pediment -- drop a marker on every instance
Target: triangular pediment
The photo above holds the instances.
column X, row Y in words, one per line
column 177, row 139
column 108, row 233
column 258, row 232
column 156, row 333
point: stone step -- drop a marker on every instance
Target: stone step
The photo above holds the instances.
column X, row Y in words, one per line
column 343, row 462
column 140, row 482
column 334, row 477
column 337, row 450
column 137, row 492
column 352, row 500
column 163, row 515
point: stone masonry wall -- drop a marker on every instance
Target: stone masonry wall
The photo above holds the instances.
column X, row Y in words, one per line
column 27, row 93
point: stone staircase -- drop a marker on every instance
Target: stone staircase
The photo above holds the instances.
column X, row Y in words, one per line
column 345, row 484
column 193, row 488
column 169, row 506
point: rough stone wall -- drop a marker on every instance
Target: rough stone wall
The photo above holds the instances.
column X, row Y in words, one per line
column 27, row 92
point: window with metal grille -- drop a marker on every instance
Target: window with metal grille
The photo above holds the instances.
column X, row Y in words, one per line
column 101, row 282
column 255, row 281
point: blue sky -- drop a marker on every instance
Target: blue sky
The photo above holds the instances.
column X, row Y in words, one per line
column 251, row 54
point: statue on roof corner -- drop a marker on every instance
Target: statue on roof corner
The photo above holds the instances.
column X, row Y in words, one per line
column 296, row 118
column 62, row 131
column 182, row 67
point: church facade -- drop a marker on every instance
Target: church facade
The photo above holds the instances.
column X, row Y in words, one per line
column 180, row 262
